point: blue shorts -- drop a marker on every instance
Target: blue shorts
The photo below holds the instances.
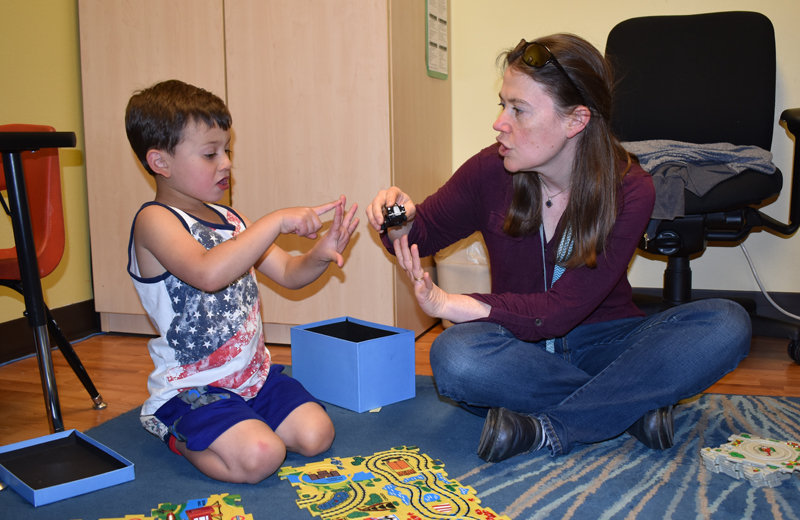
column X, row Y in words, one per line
column 200, row 425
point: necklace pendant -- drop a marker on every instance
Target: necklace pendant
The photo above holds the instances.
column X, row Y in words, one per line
column 549, row 203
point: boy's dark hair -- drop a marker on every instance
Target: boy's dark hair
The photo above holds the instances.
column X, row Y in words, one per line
column 156, row 116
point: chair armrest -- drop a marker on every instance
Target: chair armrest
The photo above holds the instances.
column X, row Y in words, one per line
column 792, row 118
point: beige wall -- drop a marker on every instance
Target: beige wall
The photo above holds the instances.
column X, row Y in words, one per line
column 481, row 30
column 42, row 85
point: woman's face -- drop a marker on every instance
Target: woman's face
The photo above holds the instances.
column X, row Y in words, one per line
column 534, row 136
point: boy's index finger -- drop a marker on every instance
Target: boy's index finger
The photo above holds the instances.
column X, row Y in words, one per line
column 324, row 208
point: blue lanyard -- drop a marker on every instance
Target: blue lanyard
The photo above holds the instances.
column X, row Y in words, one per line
column 564, row 250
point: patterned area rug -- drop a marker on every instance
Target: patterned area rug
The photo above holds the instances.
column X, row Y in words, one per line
column 621, row 478
column 616, row 479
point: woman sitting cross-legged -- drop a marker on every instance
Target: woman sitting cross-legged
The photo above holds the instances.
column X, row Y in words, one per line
column 557, row 354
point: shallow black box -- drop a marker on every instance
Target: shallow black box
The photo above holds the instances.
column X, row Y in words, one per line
column 61, row 465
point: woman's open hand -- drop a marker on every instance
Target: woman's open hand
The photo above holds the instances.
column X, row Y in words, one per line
column 431, row 298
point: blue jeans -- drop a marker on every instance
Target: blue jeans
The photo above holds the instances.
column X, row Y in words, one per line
column 602, row 377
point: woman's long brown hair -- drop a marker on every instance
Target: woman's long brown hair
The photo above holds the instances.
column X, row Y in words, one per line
column 596, row 174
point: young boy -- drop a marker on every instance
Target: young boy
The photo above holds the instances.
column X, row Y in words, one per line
column 214, row 398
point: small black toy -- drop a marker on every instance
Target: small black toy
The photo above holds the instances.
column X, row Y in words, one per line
column 393, row 217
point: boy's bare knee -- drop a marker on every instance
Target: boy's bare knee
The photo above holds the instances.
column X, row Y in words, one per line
column 260, row 459
column 316, row 440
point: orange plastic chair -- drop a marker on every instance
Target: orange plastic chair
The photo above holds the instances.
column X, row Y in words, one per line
column 37, row 176
column 43, row 183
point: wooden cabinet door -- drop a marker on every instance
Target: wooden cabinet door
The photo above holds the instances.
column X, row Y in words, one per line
column 421, row 133
column 327, row 98
column 308, row 87
column 127, row 45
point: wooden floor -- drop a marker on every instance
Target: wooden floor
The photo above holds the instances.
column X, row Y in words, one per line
column 119, row 365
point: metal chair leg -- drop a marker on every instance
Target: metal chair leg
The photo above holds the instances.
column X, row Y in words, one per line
column 74, row 361
column 48, row 378
column 66, row 349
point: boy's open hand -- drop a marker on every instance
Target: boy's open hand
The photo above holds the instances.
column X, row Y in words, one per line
column 334, row 242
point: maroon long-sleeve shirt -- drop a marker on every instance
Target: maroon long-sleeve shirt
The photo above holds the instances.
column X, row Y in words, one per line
column 477, row 198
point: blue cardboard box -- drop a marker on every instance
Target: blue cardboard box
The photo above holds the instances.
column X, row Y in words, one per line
column 354, row 364
column 62, row 465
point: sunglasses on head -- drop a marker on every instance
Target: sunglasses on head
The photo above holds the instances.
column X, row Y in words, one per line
column 536, row 55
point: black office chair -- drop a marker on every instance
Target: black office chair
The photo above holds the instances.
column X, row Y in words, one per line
column 706, row 78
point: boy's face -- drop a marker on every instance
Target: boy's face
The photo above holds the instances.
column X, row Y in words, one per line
column 200, row 168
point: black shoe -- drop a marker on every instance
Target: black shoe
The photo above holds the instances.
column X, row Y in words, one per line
column 655, row 429
column 507, row 434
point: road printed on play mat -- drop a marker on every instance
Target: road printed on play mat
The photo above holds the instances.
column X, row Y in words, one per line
column 400, row 483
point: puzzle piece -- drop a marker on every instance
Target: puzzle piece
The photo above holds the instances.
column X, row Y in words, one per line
column 400, row 483
column 131, row 517
column 215, row 507
column 763, row 462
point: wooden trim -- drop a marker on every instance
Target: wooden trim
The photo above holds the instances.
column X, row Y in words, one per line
column 789, row 301
column 278, row 333
column 76, row 322
column 127, row 323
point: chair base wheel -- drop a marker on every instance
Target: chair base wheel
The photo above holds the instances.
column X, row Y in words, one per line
column 794, row 351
